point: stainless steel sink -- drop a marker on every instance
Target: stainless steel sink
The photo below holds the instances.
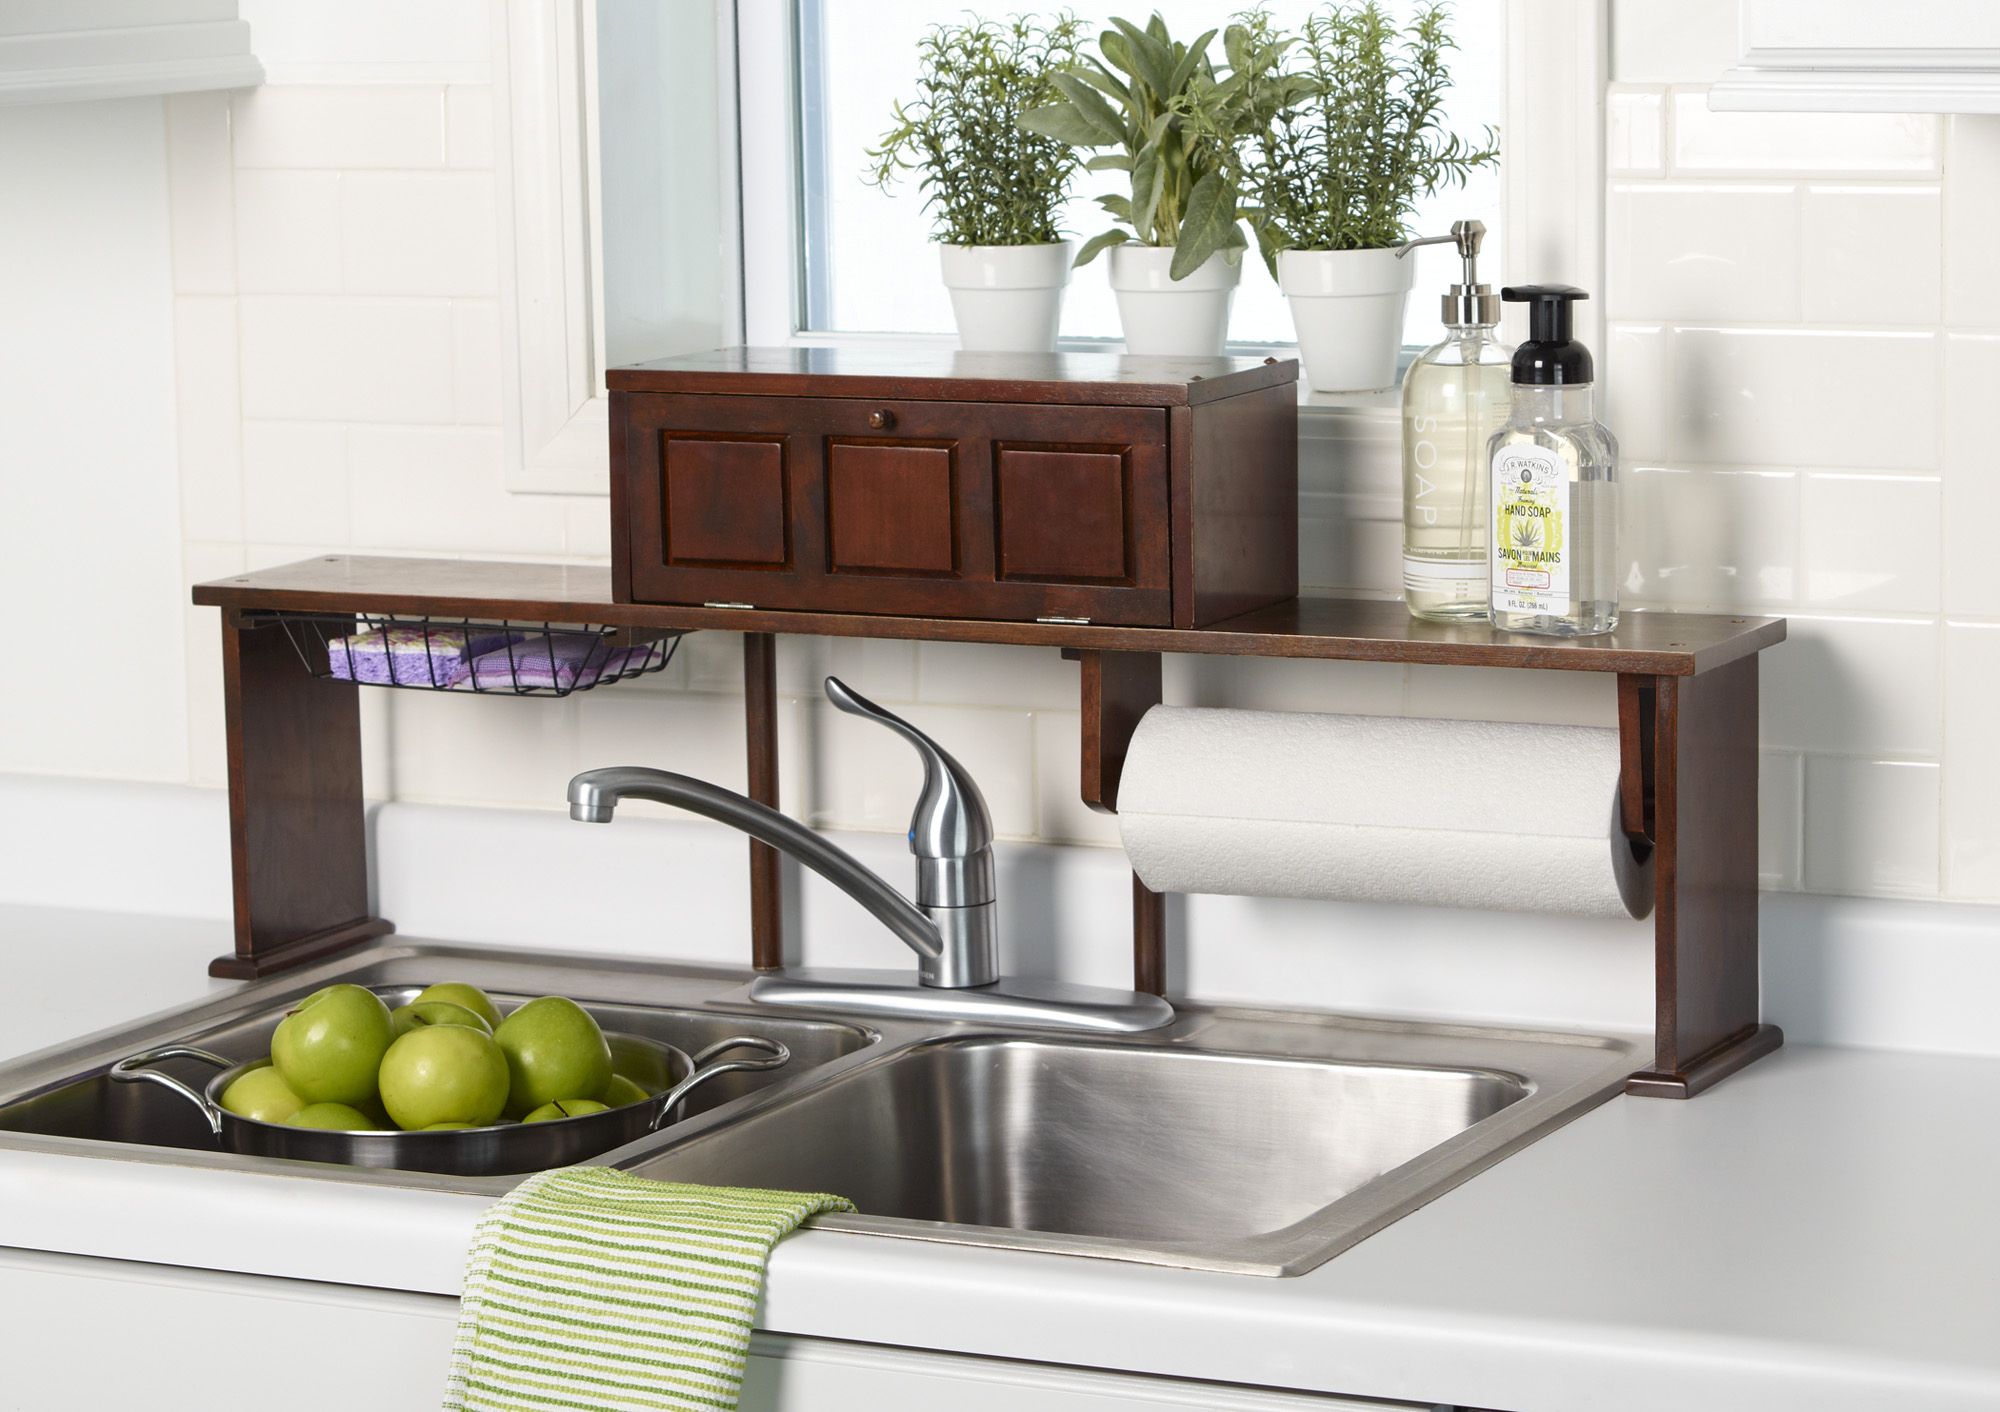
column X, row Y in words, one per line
column 1261, row 1142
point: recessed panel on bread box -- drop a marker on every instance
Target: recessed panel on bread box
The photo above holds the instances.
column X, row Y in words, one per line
column 918, row 482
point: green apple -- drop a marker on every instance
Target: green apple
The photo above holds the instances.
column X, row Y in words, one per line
column 328, row 1047
column 470, row 996
column 261, row 1094
column 446, row 1127
column 419, row 1013
column 340, row 1117
column 622, row 1091
column 444, row 1074
column 566, row 1108
column 554, row 1050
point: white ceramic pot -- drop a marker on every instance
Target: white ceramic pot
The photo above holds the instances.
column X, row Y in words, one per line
column 1347, row 306
column 1187, row 318
column 1007, row 298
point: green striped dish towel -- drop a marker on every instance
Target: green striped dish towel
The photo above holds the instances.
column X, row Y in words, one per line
column 594, row 1290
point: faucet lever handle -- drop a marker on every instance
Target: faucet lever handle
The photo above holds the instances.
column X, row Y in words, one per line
column 951, row 819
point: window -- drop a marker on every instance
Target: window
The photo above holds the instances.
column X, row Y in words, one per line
column 865, row 261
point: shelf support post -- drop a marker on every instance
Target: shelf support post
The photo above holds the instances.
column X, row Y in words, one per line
column 298, row 844
column 760, row 723
column 1117, row 689
column 1700, row 735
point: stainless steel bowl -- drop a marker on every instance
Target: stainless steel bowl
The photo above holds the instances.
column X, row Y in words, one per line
column 666, row 1072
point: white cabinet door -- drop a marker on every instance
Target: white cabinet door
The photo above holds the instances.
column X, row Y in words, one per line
column 90, row 1334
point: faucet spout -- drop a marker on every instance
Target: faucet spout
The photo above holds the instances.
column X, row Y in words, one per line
column 595, row 794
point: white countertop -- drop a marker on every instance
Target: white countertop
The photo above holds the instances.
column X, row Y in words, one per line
column 1820, row 1232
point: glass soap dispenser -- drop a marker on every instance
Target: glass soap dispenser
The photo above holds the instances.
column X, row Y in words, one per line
column 1455, row 396
column 1555, row 487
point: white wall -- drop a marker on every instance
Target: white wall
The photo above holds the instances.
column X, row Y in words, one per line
column 336, row 267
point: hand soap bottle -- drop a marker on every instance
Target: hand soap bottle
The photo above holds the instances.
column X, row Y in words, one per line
column 1554, row 484
column 1455, row 396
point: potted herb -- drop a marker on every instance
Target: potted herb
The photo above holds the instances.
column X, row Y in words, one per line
column 1176, row 254
column 1331, row 179
column 994, row 186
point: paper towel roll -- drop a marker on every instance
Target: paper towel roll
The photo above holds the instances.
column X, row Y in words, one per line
column 1501, row 816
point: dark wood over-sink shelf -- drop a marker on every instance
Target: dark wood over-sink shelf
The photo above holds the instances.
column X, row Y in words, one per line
column 1342, row 629
column 1687, row 725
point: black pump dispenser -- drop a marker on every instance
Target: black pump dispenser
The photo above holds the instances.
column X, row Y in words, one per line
column 1551, row 357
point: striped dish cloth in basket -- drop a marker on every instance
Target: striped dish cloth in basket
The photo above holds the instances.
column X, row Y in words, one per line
column 591, row 1289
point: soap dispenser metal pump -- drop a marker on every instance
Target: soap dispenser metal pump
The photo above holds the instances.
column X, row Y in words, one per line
column 1554, row 483
column 1455, row 396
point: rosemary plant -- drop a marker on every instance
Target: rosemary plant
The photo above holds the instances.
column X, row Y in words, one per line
column 1358, row 136
column 1139, row 98
column 986, row 178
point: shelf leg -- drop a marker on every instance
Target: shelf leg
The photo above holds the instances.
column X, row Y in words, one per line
column 297, row 834
column 1704, row 827
column 1117, row 689
column 760, row 721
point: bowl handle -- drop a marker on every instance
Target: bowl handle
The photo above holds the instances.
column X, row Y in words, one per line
column 134, row 1071
column 777, row 1056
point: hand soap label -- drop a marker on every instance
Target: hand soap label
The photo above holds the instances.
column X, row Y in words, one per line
column 1530, row 520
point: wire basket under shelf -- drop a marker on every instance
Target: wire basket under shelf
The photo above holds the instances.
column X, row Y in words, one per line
column 501, row 658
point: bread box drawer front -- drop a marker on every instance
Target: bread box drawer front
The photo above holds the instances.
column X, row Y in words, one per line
column 945, row 509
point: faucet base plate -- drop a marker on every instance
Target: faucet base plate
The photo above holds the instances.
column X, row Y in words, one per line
column 1013, row 1001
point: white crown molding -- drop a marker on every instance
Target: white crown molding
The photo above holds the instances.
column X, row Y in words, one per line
column 93, row 56
column 1856, row 91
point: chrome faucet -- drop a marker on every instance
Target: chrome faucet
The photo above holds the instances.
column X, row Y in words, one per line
column 953, row 925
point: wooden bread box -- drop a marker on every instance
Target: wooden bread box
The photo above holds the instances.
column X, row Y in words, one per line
column 1069, row 487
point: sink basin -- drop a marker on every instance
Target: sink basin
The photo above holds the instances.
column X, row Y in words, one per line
column 1189, row 1151
column 1134, row 1145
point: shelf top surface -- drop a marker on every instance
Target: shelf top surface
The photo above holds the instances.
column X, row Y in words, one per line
column 1350, row 629
column 946, row 373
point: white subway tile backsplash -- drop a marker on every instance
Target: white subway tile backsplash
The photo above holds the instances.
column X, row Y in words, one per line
column 1678, row 250
column 1870, row 543
column 882, row 669
column 1871, row 254
column 324, row 359
column 475, row 360
column 1889, row 144
column 418, row 488
column 1971, row 216
column 199, row 196
column 692, row 733
column 1971, row 474
column 207, row 417
column 586, row 528
column 1854, row 686
column 1872, row 827
column 1344, row 552
column 295, row 482
column 1507, row 694
column 1793, row 397
column 1284, row 684
column 1971, row 762
column 468, row 120
column 1635, row 131
column 288, row 232
column 419, row 233
column 978, row 674
column 514, row 751
column 1709, row 539
column 1780, row 809
column 358, row 126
